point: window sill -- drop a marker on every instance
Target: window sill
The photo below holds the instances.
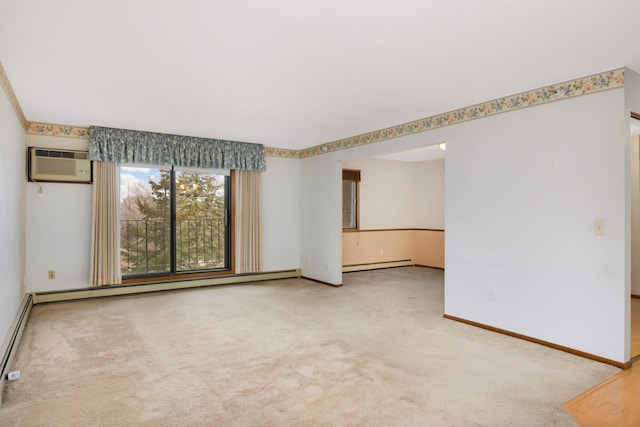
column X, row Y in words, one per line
column 350, row 230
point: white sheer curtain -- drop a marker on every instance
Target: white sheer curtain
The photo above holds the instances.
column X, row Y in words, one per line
column 249, row 235
column 104, row 268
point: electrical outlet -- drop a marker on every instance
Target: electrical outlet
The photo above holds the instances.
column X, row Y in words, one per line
column 51, row 274
column 381, row 251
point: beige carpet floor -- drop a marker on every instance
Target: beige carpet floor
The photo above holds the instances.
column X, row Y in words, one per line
column 375, row 352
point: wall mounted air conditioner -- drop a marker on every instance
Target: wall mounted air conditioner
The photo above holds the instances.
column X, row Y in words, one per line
column 59, row 165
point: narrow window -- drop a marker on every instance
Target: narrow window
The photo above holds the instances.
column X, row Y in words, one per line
column 173, row 221
column 350, row 186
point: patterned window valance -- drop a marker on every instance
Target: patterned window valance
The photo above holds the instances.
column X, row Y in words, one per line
column 130, row 146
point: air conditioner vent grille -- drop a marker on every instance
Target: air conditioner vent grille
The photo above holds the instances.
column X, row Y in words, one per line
column 56, row 167
column 59, row 165
column 62, row 154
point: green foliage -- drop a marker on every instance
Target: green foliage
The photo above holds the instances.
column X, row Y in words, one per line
column 200, row 228
column 157, row 205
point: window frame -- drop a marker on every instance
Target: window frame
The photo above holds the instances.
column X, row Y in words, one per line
column 229, row 251
column 352, row 175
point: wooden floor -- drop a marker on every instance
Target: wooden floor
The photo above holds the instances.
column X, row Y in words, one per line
column 616, row 402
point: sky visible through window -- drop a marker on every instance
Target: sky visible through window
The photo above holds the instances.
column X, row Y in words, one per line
column 132, row 177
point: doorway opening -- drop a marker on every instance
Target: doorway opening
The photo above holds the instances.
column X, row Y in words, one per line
column 400, row 206
column 635, row 236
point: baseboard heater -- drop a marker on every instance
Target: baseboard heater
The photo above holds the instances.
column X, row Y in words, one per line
column 108, row 291
column 377, row 265
column 12, row 340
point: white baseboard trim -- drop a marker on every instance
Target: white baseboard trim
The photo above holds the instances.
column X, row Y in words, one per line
column 108, row 291
column 377, row 265
column 12, row 340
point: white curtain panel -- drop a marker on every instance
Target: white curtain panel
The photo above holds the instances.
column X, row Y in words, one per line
column 249, row 206
column 104, row 266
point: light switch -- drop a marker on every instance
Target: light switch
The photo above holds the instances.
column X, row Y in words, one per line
column 598, row 227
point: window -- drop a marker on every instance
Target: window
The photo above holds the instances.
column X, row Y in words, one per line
column 174, row 221
column 350, row 185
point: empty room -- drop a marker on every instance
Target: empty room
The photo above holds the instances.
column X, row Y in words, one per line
column 319, row 213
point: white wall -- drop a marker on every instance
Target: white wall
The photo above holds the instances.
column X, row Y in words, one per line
column 320, row 218
column 321, row 203
column 12, row 213
column 281, row 214
column 522, row 192
column 395, row 194
column 58, row 227
column 59, row 223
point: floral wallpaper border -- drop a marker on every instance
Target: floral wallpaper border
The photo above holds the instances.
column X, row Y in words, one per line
column 48, row 129
column 11, row 96
column 591, row 84
column 583, row 86
column 282, row 152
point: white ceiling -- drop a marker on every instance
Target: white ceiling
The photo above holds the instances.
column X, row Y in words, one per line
column 297, row 73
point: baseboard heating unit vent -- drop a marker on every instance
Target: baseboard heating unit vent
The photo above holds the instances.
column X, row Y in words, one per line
column 10, row 344
column 377, row 265
column 133, row 289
